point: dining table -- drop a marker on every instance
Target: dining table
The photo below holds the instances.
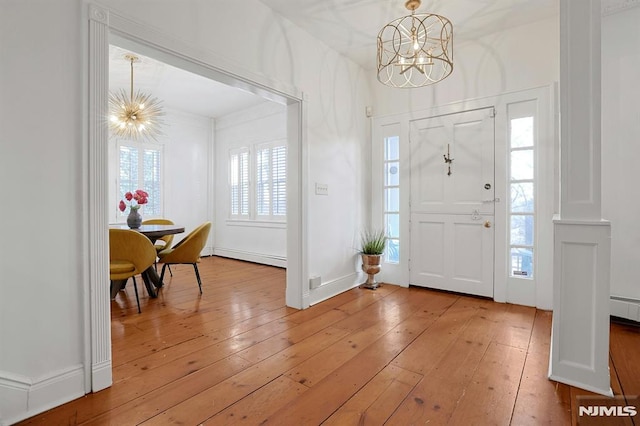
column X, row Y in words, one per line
column 150, row 275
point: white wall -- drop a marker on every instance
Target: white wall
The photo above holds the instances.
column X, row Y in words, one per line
column 254, row 241
column 519, row 58
column 44, row 206
column 188, row 185
column 187, row 156
column 44, row 167
column 621, row 149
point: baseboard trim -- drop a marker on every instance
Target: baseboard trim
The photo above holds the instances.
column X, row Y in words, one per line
column 331, row 288
column 22, row 397
column 624, row 307
column 264, row 259
column 102, row 376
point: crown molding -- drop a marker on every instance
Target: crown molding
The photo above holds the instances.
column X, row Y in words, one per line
column 609, row 7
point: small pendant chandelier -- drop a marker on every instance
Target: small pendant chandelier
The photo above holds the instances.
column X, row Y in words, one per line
column 415, row 50
column 134, row 116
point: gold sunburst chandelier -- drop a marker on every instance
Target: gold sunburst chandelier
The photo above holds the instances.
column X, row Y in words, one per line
column 415, row 50
column 134, row 115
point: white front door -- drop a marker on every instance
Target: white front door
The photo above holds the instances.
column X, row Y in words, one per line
column 452, row 202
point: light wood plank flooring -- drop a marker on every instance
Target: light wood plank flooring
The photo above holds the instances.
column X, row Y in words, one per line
column 237, row 355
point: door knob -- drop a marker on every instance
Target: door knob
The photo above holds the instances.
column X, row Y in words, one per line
column 487, row 224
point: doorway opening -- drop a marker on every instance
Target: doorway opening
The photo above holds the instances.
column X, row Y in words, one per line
column 104, row 28
column 207, row 127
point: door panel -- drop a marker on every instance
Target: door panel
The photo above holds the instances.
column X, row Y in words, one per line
column 451, row 248
column 452, row 252
column 430, row 257
column 467, row 138
column 428, row 170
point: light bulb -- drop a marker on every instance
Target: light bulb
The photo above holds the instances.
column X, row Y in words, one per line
column 414, row 39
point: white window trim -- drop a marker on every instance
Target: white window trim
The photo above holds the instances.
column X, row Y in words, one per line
column 256, row 223
column 382, row 128
column 252, row 218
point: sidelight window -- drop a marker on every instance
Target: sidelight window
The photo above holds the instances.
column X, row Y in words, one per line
column 391, row 207
column 522, row 181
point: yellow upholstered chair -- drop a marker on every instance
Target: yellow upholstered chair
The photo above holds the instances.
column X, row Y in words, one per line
column 130, row 253
column 187, row 251
column 162, row 242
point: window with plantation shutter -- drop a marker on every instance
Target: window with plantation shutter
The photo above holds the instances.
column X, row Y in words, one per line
column 239, row 180
column 263, row 182
column 271, row 180
column 140, row 167
column 258, row 182
column 151, row 175
column 279, row 155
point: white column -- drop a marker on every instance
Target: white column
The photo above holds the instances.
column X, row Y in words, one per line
column 98, row 243
column 582, row 248
column 297, row 292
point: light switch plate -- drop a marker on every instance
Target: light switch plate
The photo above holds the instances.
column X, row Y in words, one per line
column 322, row 189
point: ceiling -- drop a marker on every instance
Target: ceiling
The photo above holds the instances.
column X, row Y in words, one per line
column 176, row 88
column 351, row 26
column 347, row 26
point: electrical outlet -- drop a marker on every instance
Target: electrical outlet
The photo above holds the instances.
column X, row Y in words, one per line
column 314, row 282
column 322, row 189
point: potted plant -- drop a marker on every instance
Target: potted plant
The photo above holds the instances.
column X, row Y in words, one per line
column 372, row 246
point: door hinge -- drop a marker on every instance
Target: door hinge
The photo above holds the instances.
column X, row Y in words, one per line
column 492, row 113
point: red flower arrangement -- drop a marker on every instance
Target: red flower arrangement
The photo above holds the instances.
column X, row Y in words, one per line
column 135, row 200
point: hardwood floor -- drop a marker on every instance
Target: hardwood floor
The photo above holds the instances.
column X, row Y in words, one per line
column 238, row 355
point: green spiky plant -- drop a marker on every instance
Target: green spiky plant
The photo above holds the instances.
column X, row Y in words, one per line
column 373, row 242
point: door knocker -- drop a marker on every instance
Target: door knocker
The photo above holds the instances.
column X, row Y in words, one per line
column 448, row 160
